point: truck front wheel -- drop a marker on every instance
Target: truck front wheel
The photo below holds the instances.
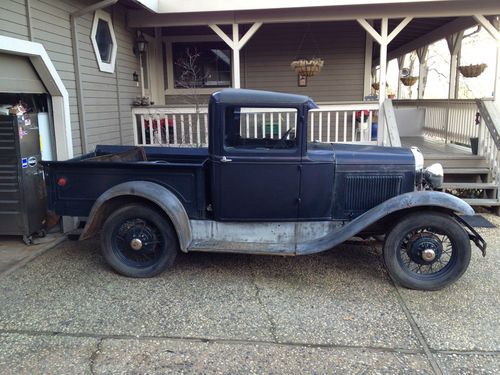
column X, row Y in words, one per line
column 427, row 250
column 137, row 241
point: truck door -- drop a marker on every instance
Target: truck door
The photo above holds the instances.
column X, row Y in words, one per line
column 256, row 176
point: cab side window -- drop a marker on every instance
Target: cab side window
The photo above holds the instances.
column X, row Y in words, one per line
column 248, row 128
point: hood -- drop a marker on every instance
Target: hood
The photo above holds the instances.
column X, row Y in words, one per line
column 349, row 154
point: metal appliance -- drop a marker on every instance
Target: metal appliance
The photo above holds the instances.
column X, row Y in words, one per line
column 22, row 188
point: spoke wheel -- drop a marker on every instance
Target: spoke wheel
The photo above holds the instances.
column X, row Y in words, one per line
column 427, row 251
column 138, row 241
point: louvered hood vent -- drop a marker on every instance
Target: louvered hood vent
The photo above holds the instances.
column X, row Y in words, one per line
column 365, row 192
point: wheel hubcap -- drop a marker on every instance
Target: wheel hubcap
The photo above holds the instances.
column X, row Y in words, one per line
column 136, row 244
column 425, row 249
column 428, row 255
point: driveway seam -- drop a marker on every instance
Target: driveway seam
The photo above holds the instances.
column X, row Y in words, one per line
column 94, row 355
column 102, row 337
column 420, row 336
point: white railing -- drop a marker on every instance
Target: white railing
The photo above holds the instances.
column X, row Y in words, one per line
column 345, row 123
column 185, row 126
column 453, row 121
column 169, row 126
column 489, row 139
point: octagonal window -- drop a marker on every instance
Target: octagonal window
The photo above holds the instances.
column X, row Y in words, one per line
column 104, row 41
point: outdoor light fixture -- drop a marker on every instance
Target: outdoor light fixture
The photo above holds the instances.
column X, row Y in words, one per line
column 135, row 77
column 140, row 44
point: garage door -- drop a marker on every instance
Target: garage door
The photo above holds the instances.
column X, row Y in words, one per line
column 18, row 76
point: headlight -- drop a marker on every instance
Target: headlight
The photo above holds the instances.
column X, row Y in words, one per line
column 434, row 175
column 419, row 158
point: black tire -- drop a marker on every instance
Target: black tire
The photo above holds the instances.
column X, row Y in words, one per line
column 421, row 234
column 157, row 240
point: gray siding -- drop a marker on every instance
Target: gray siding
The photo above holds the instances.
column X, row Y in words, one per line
column 107, row 97
column 13, row 21
column 267, row 57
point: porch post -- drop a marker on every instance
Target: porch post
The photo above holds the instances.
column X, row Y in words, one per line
column 401, row 62
column 236, row 44
column 368, row 65
column 236, row 57
column 454, row 45
column 384, row 38
column 422, row 59
column 494, row 31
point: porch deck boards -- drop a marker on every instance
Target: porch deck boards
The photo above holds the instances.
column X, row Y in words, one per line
column 433, row 147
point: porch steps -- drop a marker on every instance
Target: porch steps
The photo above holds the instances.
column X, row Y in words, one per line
column 483, row 202
column 469, row 185
column 470, row 175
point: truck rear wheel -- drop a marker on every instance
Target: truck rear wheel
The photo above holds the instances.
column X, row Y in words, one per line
column 137, row 241
column 427, row 251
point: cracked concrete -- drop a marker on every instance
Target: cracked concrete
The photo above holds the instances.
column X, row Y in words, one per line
column 336, row 312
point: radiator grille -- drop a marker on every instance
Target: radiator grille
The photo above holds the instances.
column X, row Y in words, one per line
column 364, row 192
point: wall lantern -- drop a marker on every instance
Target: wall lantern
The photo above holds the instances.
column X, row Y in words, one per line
column 140, row 45
column 135, row 77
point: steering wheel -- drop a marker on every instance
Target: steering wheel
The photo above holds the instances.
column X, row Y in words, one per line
column 282, row 142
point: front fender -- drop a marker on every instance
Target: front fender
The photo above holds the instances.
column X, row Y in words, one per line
column 150, row 191
column 429, row 199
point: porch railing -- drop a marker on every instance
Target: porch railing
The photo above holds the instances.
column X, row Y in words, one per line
column 188, row 127
column 453, row 121
column 344, row 122
column 489, row 138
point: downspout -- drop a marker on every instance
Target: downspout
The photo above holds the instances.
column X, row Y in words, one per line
column 27, row 5
column 76, row 63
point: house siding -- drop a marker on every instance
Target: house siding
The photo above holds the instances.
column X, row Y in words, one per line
column 341, row 45
column 107, row 97
column 265, row 60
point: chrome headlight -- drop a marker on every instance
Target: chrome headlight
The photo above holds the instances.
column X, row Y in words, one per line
column 434, row 175
column 419, row 159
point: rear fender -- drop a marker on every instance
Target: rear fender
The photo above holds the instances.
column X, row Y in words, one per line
column 150, row 191
column 407, row 201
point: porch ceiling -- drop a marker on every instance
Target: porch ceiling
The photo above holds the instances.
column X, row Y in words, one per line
column 420, row 32
column 458, row 8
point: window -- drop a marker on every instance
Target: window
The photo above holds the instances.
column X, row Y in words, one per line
column 201, row 64
column 104, row 41
column 258, row 129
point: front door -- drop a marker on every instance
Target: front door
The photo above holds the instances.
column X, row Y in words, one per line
column 257, row 175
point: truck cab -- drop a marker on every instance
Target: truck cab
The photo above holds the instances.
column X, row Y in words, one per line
column 263, row 188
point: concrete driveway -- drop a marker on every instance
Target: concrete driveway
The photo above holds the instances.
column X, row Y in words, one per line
column 336, row 312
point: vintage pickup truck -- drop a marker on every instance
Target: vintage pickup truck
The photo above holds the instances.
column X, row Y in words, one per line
column 265, row 193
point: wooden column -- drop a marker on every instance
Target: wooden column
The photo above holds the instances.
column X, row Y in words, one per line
column 236, row 44
column 422, row 62
column 384, row 38
column 454, row 45
column 401, row 62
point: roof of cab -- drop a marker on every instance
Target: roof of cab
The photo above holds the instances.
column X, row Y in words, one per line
column 257, row 97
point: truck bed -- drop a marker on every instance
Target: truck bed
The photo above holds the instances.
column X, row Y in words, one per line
column 182, row 170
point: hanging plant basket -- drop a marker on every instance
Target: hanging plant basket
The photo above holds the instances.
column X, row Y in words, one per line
column 409, row 81
column 471, row 71
column 307, row 68
column 376, row 86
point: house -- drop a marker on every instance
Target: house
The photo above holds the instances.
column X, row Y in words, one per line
column 93, row 59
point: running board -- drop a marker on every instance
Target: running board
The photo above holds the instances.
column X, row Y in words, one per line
column 253, row 248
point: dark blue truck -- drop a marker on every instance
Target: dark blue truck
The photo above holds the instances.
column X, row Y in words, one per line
column 257, row 194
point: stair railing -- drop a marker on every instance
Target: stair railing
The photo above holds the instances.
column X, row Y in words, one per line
column 489, row 138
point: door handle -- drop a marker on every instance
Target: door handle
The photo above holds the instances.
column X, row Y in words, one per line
column 224, row 159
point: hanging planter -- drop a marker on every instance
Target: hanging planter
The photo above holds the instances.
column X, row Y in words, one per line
column 470, row 71
column 376, row 86
column 409, row 81
column 306, row 67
